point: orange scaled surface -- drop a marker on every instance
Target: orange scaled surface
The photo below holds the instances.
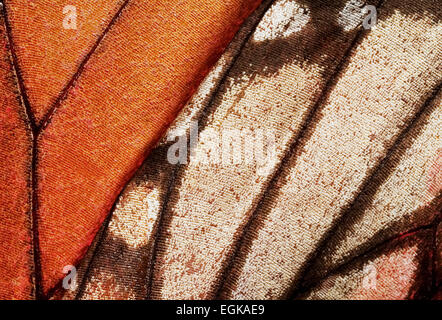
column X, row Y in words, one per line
column 133, row 86
column 16, row 262
column 49, row 51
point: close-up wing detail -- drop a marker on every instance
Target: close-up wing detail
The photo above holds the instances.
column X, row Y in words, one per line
column 237, row 149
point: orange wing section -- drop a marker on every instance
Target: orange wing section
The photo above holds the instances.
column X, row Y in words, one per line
column 140, row 76
column 51, row 39
column 15, row 168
